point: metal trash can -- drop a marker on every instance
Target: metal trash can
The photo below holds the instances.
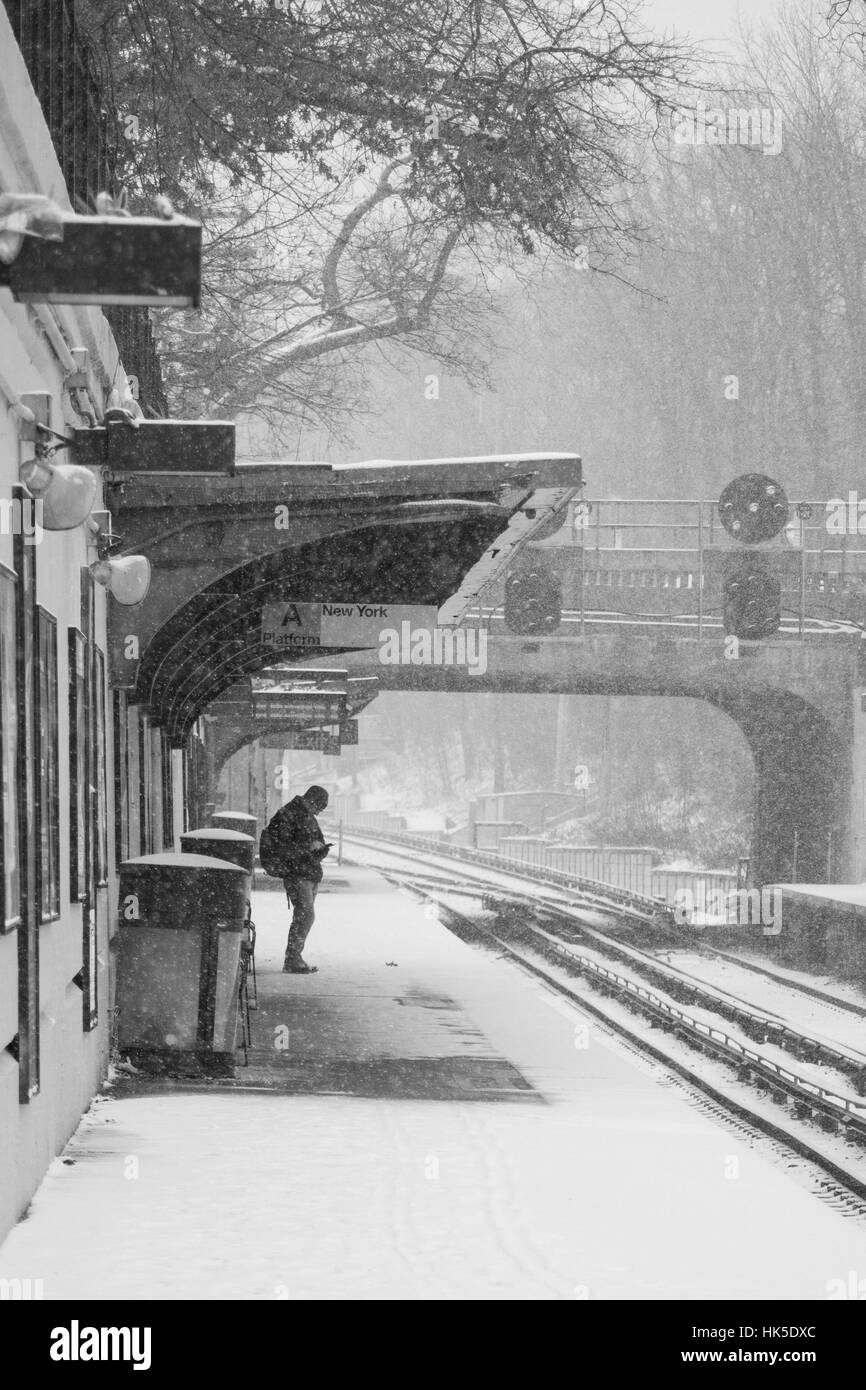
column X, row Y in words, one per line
column 236, row 820
column 182, row 918
column 231, row 845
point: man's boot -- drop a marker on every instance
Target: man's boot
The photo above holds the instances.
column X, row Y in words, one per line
column 294, row 964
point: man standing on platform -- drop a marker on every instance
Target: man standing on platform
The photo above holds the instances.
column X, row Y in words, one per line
column 302, row 848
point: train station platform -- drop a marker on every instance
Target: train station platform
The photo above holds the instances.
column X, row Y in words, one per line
column 421, row 1120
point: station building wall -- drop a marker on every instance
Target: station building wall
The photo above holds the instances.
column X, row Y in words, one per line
column 56, row 762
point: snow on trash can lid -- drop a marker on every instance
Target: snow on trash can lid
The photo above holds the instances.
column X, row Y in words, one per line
column 183, row 891
column 217, row 832
column 171, row 859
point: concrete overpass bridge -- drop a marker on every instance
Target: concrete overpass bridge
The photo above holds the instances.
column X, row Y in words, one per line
column 800, row 706
column 644, row 615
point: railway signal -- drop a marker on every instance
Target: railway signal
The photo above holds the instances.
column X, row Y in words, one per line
column 533, row 602
column 752, row 597
column 753, row 508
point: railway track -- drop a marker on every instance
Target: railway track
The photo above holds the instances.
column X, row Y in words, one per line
column 655, row 914
column 668, row 997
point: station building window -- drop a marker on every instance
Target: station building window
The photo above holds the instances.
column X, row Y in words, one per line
column 101, row 829
column 121, row 778
column 10, row 884
column 156, row 790
column 27, row 1041
column 167, row 798
column 47, row 760
column 145, row 763
column 88, row 756
column 77, row 764
column 133, row 745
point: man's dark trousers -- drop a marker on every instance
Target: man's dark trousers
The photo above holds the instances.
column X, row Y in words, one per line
column 301, row 893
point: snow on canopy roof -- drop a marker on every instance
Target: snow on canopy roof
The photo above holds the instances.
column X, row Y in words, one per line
column 461, row 460
column 853, row 894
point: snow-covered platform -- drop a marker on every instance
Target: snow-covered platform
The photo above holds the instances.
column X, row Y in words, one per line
column 419, row 1120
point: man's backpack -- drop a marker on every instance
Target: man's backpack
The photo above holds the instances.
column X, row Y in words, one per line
column 269, row 852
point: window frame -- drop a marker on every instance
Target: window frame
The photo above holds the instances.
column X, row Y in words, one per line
column 27, row 1043
column 100, row 768
column 133, row 785
column 121, row 778
column 9, row 726
column 77, row 650
column 145, row 763
column 47, row 772
column 90, row 902
column 167, row 794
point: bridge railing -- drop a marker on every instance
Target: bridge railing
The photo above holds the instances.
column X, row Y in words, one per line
column 663, row 560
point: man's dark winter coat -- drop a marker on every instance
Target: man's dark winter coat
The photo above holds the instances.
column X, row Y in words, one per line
column 301, row 842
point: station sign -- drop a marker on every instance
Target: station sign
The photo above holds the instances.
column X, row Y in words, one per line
column 289, row 626
column 306, row 708
column 307, row 740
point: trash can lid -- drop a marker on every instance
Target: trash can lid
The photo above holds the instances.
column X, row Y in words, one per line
column 218, row 832
column 183, row 861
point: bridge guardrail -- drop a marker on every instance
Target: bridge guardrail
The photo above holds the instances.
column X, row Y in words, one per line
column 621, row 897
column 660, row 559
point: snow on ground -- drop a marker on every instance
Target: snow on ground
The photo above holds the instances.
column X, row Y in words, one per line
column 816, row 1018
column 604, row 1182
column 813, row 1017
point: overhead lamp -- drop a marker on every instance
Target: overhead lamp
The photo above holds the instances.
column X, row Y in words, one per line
column 126, row 578
column 67, row 492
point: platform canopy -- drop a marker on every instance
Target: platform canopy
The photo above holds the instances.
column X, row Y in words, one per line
column 289, row 707
column 225, row 550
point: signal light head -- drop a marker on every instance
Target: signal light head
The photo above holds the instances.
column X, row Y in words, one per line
column 753, row 508
column 752, row 599
column 533, row 602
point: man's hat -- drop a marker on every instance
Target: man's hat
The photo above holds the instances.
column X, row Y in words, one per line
column 315, row 793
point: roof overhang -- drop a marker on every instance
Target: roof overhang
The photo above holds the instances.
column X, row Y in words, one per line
column 427, row 532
